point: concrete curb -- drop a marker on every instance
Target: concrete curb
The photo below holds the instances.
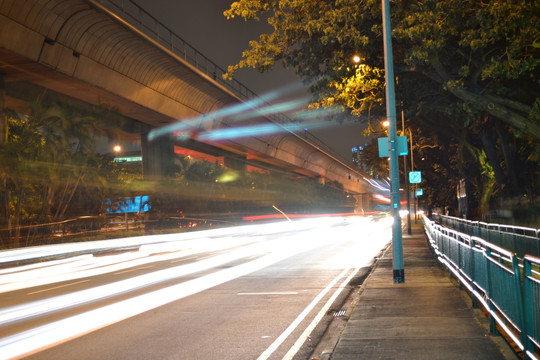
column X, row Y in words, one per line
column 331, row 338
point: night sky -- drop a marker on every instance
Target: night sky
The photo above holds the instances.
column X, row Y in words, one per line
column 201, row 23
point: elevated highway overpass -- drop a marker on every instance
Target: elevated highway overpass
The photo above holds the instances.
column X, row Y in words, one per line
column 114, row 53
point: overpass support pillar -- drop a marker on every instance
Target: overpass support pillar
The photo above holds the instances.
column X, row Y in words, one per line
column 363, row 203
column 157, row 158
column 234, row 163
column 3, row 116
column 4, row 193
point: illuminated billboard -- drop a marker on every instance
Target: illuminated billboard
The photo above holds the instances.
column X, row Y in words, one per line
column 128, row 205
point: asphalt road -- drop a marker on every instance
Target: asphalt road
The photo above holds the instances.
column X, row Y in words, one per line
column 253, row 292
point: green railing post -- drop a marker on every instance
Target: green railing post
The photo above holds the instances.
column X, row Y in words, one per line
column 514, row 240
column 473, row 274
column 458, row 242
column 528, row 317
column 492, row 323
column 519, row 300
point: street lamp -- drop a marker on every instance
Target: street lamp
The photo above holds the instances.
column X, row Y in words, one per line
column 397, row 241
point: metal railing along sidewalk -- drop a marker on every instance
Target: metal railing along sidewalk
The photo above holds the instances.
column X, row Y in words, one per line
column 507, row 287
column 517, row 239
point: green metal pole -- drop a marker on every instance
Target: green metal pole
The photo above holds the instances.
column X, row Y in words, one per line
column 397, row 242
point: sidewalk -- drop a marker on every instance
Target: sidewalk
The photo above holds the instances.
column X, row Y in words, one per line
column 424, row 318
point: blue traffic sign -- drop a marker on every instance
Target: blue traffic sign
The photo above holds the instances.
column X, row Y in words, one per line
column 401, row 146
column 415, row 177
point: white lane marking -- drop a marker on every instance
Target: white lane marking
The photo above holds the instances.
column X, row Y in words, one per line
column 305, row 335
column 270, row 293
column 266, row 354
column 185, row 259
column 135, row 269
column 57, row 287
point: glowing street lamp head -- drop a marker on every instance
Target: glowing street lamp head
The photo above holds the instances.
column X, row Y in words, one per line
column 356, row 59
column 386, row 123
column 117, row 148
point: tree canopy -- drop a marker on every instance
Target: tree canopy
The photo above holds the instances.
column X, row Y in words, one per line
column 466, row 70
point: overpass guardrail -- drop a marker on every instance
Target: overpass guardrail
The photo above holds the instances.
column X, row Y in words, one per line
column 507, row 286
column 517, row 239
column 135, row 15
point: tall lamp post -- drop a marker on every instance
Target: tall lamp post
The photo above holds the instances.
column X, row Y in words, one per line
column 407, row 187
column 397, row 242
column 412, row 169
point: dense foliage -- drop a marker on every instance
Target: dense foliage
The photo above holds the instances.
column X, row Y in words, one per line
column 467, row 78
column 50, row 168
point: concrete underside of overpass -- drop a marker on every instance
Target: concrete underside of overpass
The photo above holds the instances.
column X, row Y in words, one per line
column 79, row 50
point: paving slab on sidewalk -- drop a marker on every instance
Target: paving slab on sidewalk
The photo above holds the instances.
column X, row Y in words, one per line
column 424, row 318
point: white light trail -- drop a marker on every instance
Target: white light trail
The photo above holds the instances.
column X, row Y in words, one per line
column 269, row 243
column 40, row 252
column 35, row 308
column 87, row 265
column 60, row 331
column 250, row 106
column 41, row 265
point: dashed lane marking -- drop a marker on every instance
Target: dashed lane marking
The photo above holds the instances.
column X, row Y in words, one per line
column 57, row 287
column 271, row 293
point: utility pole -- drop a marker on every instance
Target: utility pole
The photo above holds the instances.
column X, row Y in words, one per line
column 397, row 242
column 409, row 231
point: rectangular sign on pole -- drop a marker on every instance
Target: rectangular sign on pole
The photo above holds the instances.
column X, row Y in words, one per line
column 402, row 148
column 415, row 177
column 383, row 146
column 128, row 205
column 419, row 192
